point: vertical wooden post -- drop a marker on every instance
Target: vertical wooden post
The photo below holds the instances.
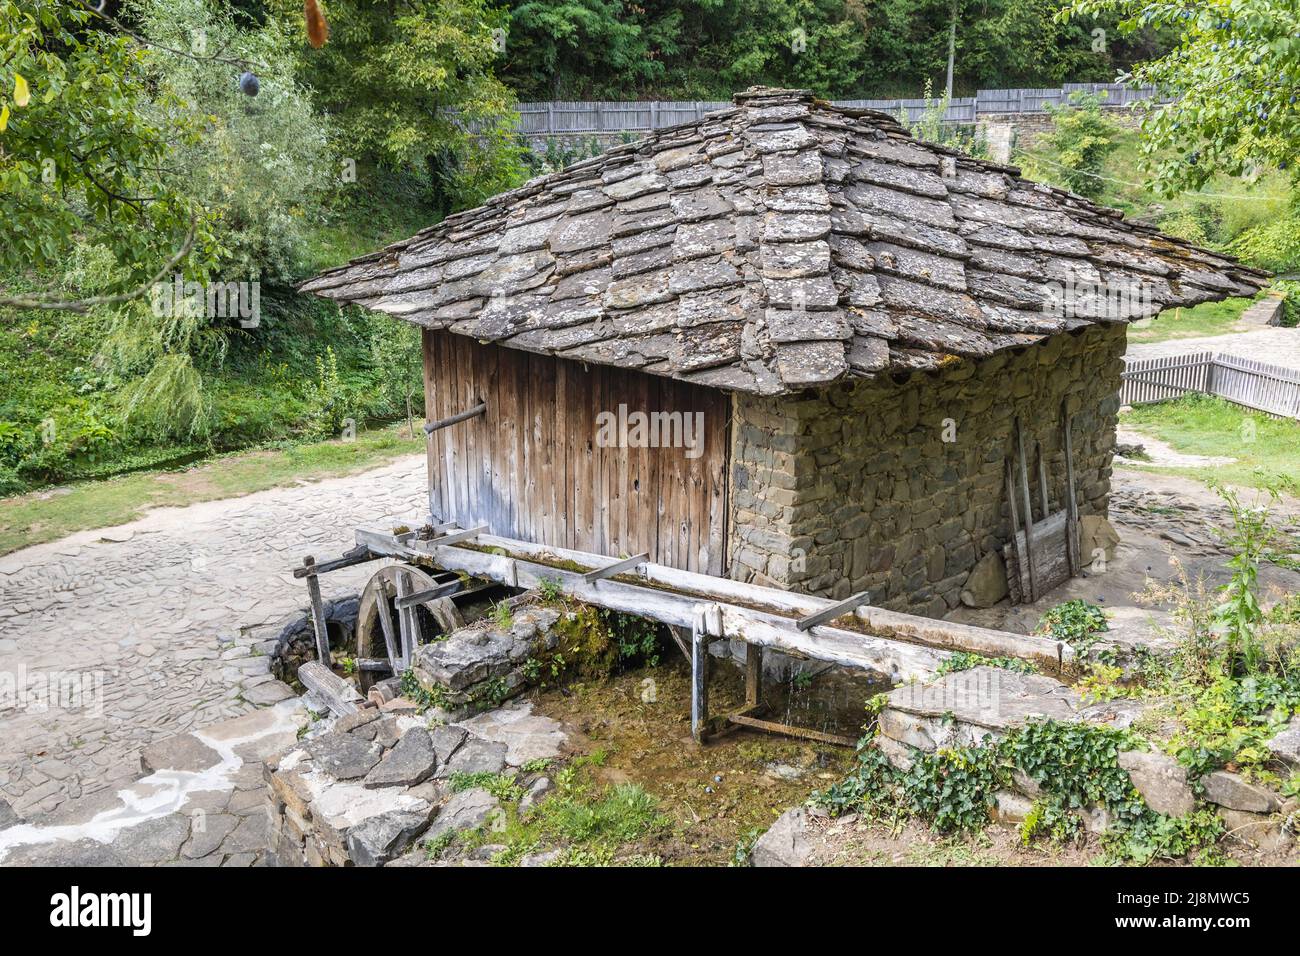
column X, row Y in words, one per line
column 699, row 675
column 1029, row 514
column 1074, row 549
column 753, row 675
column 317, row 612
column 408, row 622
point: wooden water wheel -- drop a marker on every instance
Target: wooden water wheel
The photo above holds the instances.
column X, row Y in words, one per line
column 399, row 605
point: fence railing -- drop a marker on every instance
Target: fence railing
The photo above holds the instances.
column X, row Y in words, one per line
column 1271, row 389
column 591, row 117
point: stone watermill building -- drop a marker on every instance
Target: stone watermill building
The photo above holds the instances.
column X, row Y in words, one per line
column 847, row 334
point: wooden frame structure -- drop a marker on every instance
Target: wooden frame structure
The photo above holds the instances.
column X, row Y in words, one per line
column 902, row 646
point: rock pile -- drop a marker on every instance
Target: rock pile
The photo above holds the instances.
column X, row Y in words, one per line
column 362, row 789
column 484, row 663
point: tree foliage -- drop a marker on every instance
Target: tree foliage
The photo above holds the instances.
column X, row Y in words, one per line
column 84, row 156
column 1233, row 78
column 708, row 49
column 410, row 84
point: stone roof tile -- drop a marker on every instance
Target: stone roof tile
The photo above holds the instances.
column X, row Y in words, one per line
column 781, row 244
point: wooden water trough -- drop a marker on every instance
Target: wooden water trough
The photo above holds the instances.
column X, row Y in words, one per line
column 848, row 633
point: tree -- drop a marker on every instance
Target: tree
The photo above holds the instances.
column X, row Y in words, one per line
column 1076, row 148
column 263, row 163
column 558, row 45
column 83, row 159
column 409, row 84
column 1233, row 80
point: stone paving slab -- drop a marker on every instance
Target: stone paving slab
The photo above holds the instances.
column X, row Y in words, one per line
column 212, row 816
column 160, row 625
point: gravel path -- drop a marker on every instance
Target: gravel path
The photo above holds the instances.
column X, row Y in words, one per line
column 157, row 627
column 1276, row 346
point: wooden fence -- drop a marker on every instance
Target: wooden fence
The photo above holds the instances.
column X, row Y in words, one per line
column 588, row 118
column 1271, row 389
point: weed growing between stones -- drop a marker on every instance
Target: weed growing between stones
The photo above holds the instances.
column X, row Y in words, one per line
column 1074, row 765
column 965, row 660
column 586, row 824
column 503, row 786
column 1231, row 685
column 1077, row 623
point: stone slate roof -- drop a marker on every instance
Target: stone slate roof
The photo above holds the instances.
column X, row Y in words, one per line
column 776, row 245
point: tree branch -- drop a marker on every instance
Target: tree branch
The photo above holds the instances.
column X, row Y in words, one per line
column 144, row 41
column 83, row 305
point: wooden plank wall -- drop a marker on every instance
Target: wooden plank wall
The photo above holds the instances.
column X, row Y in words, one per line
column 531, row 468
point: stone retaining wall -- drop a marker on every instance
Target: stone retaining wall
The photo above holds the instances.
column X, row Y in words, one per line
column 965, row 708
column 898, row 488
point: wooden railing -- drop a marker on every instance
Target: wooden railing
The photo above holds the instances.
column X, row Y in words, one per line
column 589, row 117
column 1271, row 389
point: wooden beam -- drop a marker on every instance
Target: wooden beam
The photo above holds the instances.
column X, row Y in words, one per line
column 318, row 625
column 477, row 410
column 420, row 597
column 1028, row 556
column 699, row 676
column 834, row 611
column 899, row 645
column 964, row 638
column 790, row 730
column 618, row 567
column 753, row 675
column 358, row 555
column 341, row 696
column 452, row 538
column 1071, row 502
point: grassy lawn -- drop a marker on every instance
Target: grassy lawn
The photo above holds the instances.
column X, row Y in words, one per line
column 1200, row 425
column 1208, row 318
column 54, row 513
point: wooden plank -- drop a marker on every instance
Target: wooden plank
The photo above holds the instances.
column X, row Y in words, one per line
column 319, row 627
column 432, row 450
column 340, row 695
column 1017, row 585
column 429, row 594
column 753, row 675
column 349, row 559
column 837, row 609
column 699, row 676
column 1071, row 501
column 719, row 455
column 789, row 730
column 618, row 567
column 386, row 626
column 453, row 537
column 1027, row 555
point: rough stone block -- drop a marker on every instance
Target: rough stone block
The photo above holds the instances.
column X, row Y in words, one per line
column 1161, row 780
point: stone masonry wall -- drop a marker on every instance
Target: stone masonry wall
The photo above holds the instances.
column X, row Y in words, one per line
column 857, row 489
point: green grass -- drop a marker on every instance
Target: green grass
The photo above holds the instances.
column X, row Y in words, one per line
column 1208, row 318
column 591, row 824
column 1202, row 425
column 53, row 514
